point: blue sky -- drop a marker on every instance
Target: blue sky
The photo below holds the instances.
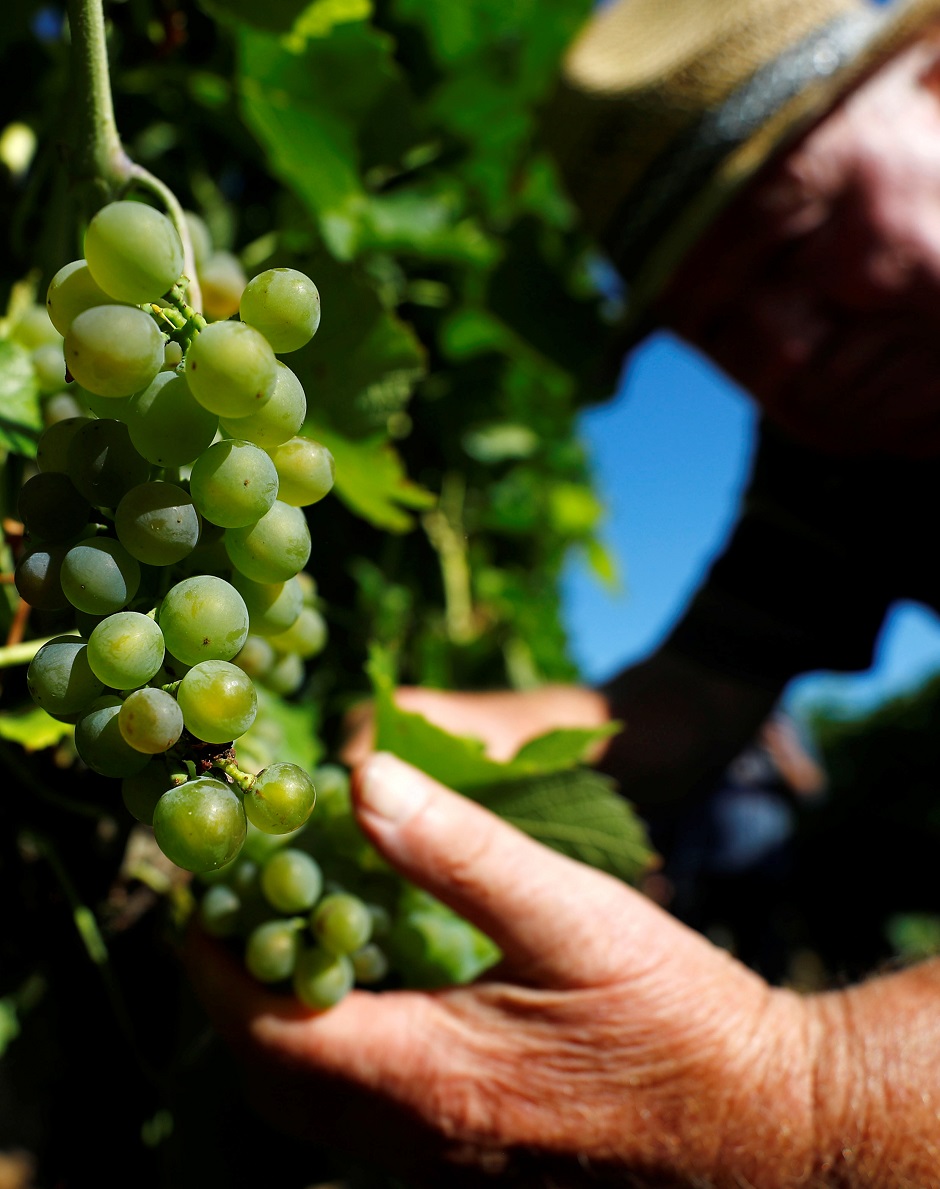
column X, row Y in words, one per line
column 671, row 453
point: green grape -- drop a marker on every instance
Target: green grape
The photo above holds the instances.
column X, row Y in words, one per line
column 272, row 949
column 291, row 880
column 99, row 576
column 203, row 618
column 52, row 449
column 284, row 305
column 34, row 328
column 157, row 523
column 125, row 650
column 285, row 676
column 341, row 923
column 99, row 742
column 281, row 799
column 272, row 549
column 305, row 637
column 218, row 701
column 308, row 588
column 114, row 408
column 381, row 920
column 60, row 679
column 255, row 657
column 38, row 577
column 200, row 825
column 200, row 237
column 151, row 720
column 233, row 483
column 370, row 964
column 305, row 471
column 230, row 369
column 167, row 425
column 141, row 792
column 321, row 980
column 61, row 406
column 49, row 367
column 276, row 421
column 72, row 291
column 272, row 607
column 219, row 911
column 103, row 464
column 133, row 251
column 222, row 281
column 51, row 509
column 113, row 350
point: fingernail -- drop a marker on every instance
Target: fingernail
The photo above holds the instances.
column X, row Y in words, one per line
column 391, row 789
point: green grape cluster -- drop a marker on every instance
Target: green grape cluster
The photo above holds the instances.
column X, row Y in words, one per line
column 168, row 516
column 316, row 912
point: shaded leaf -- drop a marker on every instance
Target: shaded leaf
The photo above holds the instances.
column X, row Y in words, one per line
column 579, row 813
column 33, row 729
column 371, row 480
column 364, row 361
column 20, row 416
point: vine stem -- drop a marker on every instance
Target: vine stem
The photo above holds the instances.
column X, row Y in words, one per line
column 21, row 654
column 97, row 156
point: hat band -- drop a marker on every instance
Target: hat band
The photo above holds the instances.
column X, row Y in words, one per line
column 693, row 158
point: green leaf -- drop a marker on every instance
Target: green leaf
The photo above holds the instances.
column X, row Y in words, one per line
column 33, row 729
column 603, row 564
column 364, row 361
column 320, row 17
column 371, row 480
column 458, row 761
column 578, row 813
column 559, row 749
column 20, row 416
column 314, row 109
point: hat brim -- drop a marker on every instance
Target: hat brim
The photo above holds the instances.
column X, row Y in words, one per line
column 903, row 21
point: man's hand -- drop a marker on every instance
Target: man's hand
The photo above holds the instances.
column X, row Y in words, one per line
column 612, row 1040
column 502, row 719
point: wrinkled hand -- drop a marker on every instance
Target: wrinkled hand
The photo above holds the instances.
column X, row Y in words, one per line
column 611, row 1040
column 502, row 719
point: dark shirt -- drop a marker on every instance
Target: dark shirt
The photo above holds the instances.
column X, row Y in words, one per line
column 823, row 546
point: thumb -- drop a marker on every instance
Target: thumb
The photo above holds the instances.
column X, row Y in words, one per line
column 558, row 922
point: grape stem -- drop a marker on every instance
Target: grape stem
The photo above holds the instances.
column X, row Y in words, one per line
column 97, row 158
column 243, row 780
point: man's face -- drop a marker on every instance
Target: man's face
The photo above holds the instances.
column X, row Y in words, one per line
column 818, row 289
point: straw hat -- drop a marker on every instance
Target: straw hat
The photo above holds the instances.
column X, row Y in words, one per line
column 667, row 106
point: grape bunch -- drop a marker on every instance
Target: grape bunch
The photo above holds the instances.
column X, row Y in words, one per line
column 317, row 912
column 168, row 516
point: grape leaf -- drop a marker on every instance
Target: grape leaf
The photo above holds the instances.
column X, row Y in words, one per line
column 20, row 416
column 371, row 480
column 542, row 790
column 460, row 761
column 33, row 729
column 579, row 813
column 364, row 361
column 310, row 109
